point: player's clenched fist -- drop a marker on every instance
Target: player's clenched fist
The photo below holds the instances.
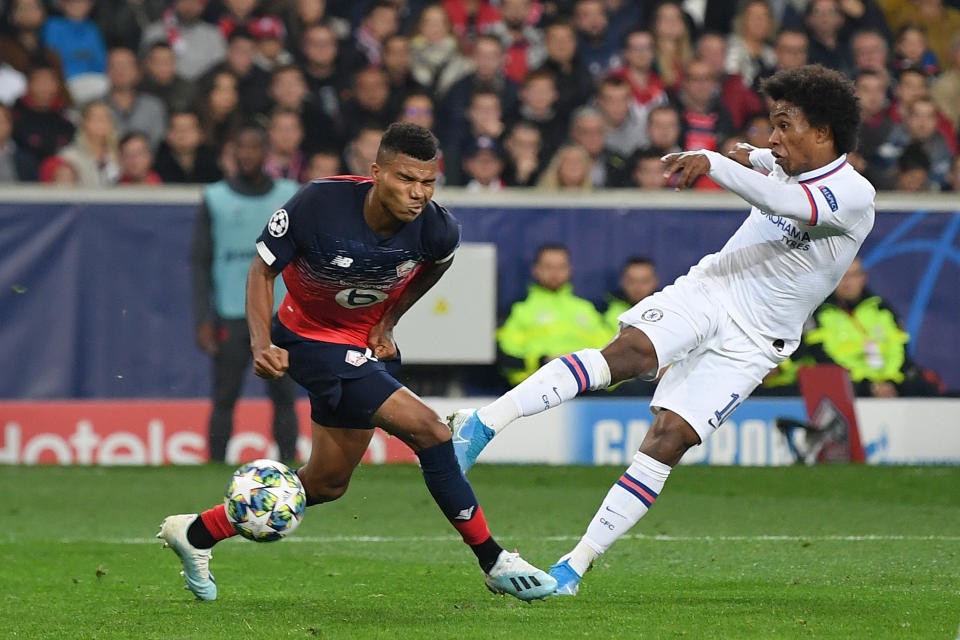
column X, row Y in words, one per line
column 690, row 164
column 270, row 362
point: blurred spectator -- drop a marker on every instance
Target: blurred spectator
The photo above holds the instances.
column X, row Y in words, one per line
column 131, row 109
column 622, row 17
column 913, row 170
column 663, row 129
column 321, row 164
column 197, row 45
column 575, row 85
column 270, row 36
column 488, row 60
column 326, row 78
column 674, row 42
column 57, row 170
column 232, row 212
column 875, row 124
column 597, row 44
column 361, row 151
column 857, row 330
column 538, row 99
column 646, row 170
column 706, row 121
column 93, row 152
column 953, row 176
column 910, row 50
column 160, row 78
column 77, row 39
column 252, row 81
column 13, row 84
column 523, row 43
column 21, row 42
column 587, row 129
column 289, row 90
column 940, row 23
column 470, row 19
column 637, row 69
column 219, row 114
column 737, row 98
column 946, row 90
column 136, row 161
column 912, row 86
column 791, row 49
column 418, row 109
column 626, row 129
column 121, row 22
column 749, row 53
column 436, row 59
column 285, row 135
column 397, row 61
column 16, row 164
column 871, row 52
column 236, row 14
column 367, row 103
column 303, row 14
column 522, row 163
column 638, row 279
column 550, row 321
column 483, row 165
column 569, row 170
column 825, row 21
column 380, row 20
column 757, row 130
column 484, row 117
column 919, row 126
column 182, row 157
column 39, row 125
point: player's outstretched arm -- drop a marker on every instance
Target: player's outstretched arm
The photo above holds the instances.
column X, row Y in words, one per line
column 794, row 201
column 380, row 339
column 269, row 361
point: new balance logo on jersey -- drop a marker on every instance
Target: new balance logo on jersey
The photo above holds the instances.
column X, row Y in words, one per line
column 342, row 261
column 465, row 514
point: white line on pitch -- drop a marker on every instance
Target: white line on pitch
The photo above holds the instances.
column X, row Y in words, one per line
column 640, row 537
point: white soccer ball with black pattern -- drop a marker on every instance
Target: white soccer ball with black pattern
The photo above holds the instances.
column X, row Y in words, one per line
column 265, row 500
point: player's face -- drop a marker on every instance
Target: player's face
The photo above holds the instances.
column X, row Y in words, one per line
column 405, row 185
column 793, row 140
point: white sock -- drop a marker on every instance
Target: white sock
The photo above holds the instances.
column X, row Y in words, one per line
column 554, row 383
column 627, row 501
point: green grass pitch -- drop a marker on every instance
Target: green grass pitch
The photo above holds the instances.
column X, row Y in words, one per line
column 825, row 552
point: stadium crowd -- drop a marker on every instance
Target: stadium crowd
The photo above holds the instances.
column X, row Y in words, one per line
column 560, row 95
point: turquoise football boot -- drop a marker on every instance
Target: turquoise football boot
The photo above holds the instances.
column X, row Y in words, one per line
column 470, row 436
column 513, row 575
column 568, row 580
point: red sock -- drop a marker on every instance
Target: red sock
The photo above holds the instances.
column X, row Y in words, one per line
column 475, row 530
column 215, row 520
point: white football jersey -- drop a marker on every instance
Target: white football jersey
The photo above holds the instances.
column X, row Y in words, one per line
column 800, row 237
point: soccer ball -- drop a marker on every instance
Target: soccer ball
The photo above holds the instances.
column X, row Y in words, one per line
column 265, row 500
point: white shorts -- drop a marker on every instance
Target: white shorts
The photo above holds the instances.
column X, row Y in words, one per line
column 714, row 364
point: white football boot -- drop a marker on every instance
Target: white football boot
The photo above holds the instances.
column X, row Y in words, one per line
column 196, row 562
column 514, row 575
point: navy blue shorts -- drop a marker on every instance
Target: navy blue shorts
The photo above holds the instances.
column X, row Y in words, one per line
column 345, row 386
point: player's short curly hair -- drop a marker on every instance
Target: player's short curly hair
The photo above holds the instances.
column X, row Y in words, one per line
column 409, row 139
column 826, row 96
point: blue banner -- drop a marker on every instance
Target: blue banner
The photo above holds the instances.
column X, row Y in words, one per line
column 95, row 298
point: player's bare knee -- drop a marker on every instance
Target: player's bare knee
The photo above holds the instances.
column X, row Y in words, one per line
column 631, row 355
column 668, row 439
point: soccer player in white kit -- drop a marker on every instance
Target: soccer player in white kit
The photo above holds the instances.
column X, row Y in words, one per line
column 717, row 331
